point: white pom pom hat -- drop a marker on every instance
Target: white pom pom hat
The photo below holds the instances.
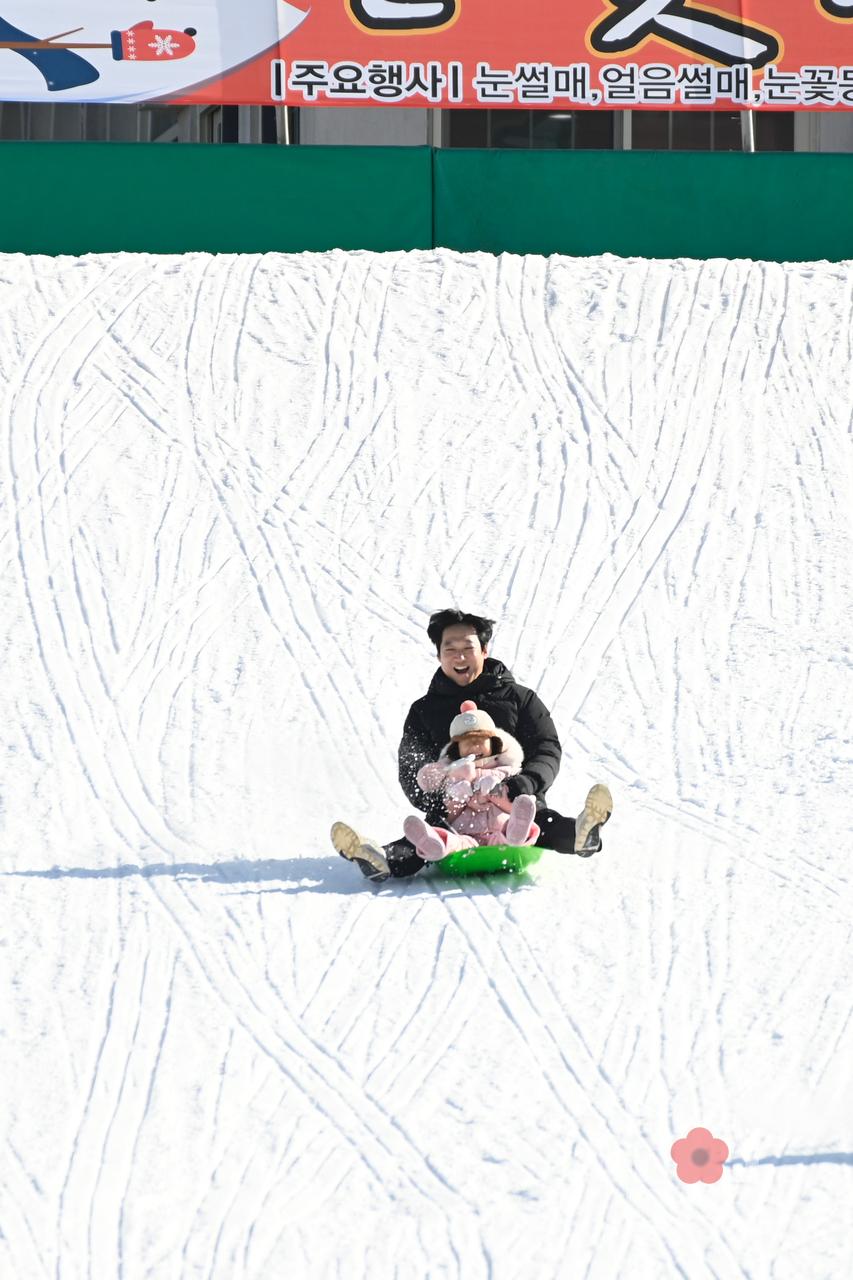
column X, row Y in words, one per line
column 471, row 721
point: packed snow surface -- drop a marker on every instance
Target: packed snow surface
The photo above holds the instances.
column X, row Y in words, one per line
column 233, row 489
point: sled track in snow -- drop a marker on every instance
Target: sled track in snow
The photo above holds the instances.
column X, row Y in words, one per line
column 558, row 1049
column 333, row 1095
column 234, row 489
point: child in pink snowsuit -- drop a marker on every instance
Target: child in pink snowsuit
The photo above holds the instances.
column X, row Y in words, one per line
column 472, row 769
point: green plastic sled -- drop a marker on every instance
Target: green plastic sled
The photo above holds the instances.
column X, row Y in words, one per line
column 487, row 859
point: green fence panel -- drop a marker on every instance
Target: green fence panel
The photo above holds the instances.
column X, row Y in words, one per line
column 656, row 204
column 104, row 197
column 90, row 197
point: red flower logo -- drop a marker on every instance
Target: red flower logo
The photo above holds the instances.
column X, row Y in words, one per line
column 699, row 1157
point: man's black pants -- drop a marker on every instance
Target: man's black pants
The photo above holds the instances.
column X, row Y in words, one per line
column 555, row 832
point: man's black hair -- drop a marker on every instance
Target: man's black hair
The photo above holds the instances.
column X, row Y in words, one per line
column 455, row 617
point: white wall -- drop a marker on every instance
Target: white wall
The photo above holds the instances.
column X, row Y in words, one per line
column 824, row 131
column 363, row 126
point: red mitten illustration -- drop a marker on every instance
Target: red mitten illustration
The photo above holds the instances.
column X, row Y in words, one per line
column 143, row 42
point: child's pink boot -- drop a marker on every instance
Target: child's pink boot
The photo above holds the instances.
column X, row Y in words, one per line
column 518, row 829
column 426, row 839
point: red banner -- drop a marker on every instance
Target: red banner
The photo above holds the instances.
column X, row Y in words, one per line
column 605, row 54
column 590, row 54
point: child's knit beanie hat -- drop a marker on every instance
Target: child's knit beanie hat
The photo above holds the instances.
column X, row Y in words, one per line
column 472, row 721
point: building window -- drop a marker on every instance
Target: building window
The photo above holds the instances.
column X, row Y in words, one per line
column 617, row 130
column 530, row 130
column 708, row 131
column 269, row 125
column 164, row 123
column 220, row 124
column 774, row 130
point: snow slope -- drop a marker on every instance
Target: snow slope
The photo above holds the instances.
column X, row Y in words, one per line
column 233, row 489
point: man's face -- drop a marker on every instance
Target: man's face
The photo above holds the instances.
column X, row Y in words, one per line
column 461, row 655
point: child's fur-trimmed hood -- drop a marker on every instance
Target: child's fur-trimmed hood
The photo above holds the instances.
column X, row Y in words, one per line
column 511, row 757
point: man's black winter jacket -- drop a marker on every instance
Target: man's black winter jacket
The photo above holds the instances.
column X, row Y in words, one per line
column 512, row 707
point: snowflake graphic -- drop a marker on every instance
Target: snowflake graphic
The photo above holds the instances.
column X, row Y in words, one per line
column 164, row 45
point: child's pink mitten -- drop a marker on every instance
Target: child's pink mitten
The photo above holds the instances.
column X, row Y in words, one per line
column 431, row 776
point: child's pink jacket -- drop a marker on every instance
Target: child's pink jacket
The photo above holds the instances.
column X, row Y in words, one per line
column 482, row 816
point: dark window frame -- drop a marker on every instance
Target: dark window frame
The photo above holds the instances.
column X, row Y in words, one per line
column 721, row 132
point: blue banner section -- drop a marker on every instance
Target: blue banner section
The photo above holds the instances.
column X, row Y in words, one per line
column 61, row 68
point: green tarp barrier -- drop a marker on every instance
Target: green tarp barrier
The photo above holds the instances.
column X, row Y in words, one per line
column 780, row 206
column 92, row 197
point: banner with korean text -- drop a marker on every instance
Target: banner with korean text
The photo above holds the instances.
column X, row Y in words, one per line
column 605, row 54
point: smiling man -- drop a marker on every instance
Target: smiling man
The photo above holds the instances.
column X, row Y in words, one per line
column 467, row 672
column 461, row 652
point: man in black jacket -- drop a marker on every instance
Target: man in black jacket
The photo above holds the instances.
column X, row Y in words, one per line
column 467, row 672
